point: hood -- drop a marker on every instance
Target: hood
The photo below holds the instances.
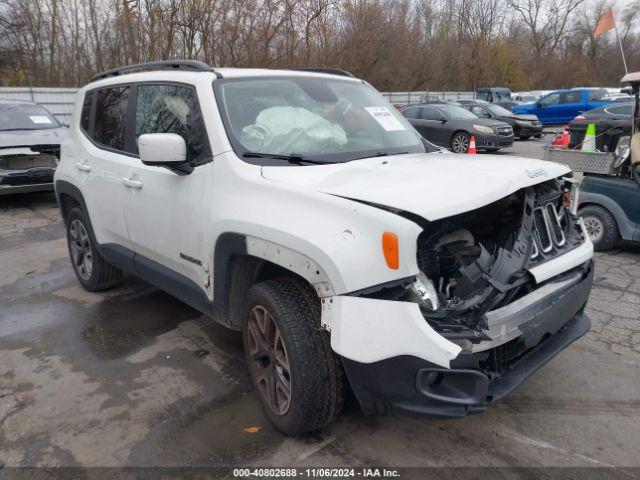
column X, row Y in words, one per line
column 523, row 116
column 24, row 138
column 524, row 108
column 488, row 122
column 431, row 185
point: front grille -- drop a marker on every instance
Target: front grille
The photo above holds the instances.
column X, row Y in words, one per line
column 25, row 162
column 504, row 131
column 501, row 357
column 548, row 229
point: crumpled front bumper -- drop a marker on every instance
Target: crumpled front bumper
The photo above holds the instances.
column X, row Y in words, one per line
column 416, row 385
column 36, row 179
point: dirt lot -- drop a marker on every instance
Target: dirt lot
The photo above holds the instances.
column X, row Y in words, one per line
column 134, row 377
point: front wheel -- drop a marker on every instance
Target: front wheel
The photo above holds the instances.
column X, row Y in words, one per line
column 460, row 142
column 93, row 271
column 297, row 376
column 601, row 227
column 525, row 137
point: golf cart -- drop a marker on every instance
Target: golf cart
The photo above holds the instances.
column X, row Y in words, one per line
column 610, row 203
column 610, row 189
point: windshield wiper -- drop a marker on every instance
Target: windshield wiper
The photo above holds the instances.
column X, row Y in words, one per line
column 292, row 158
column 380, row 154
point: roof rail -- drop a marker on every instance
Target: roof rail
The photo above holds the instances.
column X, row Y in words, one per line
column 194, row 65
column 330, row 71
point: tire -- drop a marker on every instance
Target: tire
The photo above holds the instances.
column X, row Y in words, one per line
column 525, row 137
column 601, row 227
column 539, row 135
column 93, row 271
column 460, row 142
column 291, row 351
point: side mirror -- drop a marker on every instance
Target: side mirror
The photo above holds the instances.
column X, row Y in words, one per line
column 162, row 149
column 443, row 120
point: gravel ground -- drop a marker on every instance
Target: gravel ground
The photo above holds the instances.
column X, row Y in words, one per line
column 133, row 377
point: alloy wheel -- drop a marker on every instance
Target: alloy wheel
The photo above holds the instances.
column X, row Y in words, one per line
column 460, row 143
column 594, row 227
column 80, row 247
column 268, row 360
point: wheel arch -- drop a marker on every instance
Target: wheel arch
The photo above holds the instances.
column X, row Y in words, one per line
column 625, row 226
column 241, row 261
column 455, row 132
column 68, row 196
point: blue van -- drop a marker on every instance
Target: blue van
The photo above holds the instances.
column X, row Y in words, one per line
column 562, row 106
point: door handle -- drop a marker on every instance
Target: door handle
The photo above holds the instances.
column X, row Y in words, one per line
column 128, row 182
column 83, row 167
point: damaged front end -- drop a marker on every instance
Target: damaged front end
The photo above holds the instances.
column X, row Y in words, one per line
column 28, row 168
column 480, row 261
column 506, row 283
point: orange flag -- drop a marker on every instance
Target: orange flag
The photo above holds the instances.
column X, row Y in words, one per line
column 606, row 23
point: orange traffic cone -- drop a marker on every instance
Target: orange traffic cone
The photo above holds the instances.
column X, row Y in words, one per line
column 564, row 142
column 472, row 145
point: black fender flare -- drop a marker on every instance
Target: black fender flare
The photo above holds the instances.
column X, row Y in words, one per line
column 626, row 227
column 62, row 187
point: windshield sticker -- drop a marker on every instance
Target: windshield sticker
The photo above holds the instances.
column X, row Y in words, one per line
column 385, row 118
column 39, row 119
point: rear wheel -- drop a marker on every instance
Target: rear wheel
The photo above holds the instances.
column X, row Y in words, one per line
column 297, row 376
column 525, row 137
column 92, row 271
column 601, row 227
column 460, row 142
column 539, row 135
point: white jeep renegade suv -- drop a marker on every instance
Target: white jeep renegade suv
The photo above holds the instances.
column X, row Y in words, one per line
column 301, row 208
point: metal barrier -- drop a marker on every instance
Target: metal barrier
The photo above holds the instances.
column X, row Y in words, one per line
column 408, row 98
column 59, row 101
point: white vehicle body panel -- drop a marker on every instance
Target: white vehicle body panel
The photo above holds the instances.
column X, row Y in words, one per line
column 432, row 186
column 392, row 329
column 302, row 218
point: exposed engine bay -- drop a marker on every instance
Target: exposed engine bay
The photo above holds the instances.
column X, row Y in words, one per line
column 477, row 261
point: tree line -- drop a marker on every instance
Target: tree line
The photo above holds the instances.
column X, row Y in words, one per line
column 396, row 45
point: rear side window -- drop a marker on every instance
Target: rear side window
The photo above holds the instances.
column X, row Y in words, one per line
column 619, row 110
column 111, row 113
column 595, row 95
column 571, row 97
column 85, row 116
column 430, row 113
column 411, row 113
column 173, row 109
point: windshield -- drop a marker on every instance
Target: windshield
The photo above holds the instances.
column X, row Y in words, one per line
column 498, row 110
column 16, row 116
column 319, row 119
column 454, row 112
column 501, row 96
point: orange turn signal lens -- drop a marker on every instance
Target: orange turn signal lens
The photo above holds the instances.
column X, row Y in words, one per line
column 391, row 250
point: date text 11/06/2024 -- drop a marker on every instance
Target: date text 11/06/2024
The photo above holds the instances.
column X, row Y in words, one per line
column 316, row 472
